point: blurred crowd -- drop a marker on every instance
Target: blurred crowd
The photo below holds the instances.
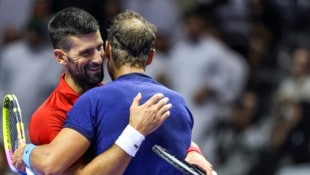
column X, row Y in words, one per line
column 243, row 67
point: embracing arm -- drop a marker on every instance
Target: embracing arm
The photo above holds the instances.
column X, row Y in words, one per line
column 53, row 158
column 58, row 156
column 69, row 145
column 112, row 161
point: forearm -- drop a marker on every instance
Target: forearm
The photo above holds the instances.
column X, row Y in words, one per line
column 195, row 156
column 116, row 158
column 60, row 154
column 44, row 160
column 47, row 159
column 113, row 161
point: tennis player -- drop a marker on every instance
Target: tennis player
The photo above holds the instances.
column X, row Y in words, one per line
column 79, row 68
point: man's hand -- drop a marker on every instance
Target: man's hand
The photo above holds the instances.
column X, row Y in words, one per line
column 199, row 160
column 18, row 159
column 147, row 117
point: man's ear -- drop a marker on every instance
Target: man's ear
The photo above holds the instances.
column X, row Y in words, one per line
column 107, row 49
column 59, row 56
column 150, row 56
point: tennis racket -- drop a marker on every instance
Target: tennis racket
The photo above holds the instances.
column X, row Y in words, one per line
column 13, row 129
column 178, row 163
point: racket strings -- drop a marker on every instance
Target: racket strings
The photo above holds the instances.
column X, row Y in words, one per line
column 19, row 122
column 13, row 127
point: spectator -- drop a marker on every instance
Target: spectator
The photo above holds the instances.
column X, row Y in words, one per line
column 208, row 73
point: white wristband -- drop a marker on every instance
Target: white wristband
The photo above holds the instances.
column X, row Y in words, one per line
column 130, row 140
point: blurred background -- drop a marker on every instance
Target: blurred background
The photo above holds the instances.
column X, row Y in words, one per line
column 242, row 66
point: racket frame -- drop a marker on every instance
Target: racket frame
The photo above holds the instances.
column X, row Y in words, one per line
column 8, row 101
column 178, row 163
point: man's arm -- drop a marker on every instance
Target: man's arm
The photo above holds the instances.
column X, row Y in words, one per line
column 194, row 156
column 69, row 145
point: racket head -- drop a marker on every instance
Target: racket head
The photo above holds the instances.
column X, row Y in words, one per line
column 12, row 128
column 178, row 163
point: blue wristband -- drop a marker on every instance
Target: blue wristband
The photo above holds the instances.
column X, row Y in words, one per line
column 26, row 156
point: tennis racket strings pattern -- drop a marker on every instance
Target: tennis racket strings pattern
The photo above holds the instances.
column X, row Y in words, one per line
column 13, row 128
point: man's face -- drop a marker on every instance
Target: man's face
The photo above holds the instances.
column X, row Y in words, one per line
column 85, row 59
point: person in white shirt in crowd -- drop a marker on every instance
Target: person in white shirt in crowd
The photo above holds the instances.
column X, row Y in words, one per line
column 209, row 74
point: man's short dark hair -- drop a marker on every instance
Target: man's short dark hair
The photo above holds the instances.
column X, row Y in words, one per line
column 70, row 21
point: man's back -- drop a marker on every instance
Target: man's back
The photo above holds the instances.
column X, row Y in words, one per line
column 105, row 115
